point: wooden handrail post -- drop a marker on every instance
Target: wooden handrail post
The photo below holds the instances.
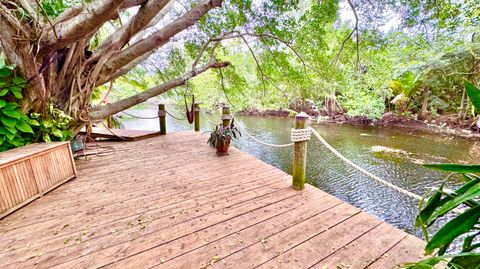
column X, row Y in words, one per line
column 226, row 117
column 196, row 109
column 110, row 122
column 299, row 154
column 162, row 118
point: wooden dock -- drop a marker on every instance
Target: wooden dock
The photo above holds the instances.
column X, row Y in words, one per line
column 120, row 134
column 170, row 202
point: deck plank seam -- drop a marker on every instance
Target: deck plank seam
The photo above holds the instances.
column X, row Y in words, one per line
column 149, row 189
column 315, row 235
column 217, row 223
column 339, row 202
column 386, row 251
column 143, row 213
column 351, row 241
column 149, row 233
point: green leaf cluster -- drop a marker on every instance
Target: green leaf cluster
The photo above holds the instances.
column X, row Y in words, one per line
column 464, row 226
column 15, row 129
column 223, row 134
column 54, row 126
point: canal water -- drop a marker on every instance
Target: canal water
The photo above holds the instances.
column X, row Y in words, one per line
column 393, row 154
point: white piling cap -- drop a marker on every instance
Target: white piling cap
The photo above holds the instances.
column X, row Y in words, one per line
column 302, row 115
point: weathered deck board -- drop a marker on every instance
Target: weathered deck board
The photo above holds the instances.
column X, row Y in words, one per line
column 170, row 202
column 121, row 134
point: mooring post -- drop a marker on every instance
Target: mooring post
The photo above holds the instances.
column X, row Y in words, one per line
column 110, row 122
column 299, row 154
column 162, row 118
column 196, row 109
column 226, row 117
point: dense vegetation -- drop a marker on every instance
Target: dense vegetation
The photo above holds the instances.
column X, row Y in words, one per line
column 362, row 59
column 413, row 66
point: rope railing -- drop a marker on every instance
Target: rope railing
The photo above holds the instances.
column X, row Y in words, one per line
column 301, row 135
column 258, row 140
column 262, row 142
column 365, row 172
column 152, row 118
column 177, row 118
column 206, row 117
column 139, row 117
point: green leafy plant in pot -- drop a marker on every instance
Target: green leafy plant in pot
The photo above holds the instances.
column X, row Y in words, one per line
column 221, row 137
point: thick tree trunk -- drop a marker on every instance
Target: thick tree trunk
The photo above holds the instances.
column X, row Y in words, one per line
column 60, row 69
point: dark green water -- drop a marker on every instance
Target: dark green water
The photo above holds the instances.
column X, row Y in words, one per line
column 395, row 155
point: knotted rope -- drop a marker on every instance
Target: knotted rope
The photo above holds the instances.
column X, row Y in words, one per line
column 301, row 135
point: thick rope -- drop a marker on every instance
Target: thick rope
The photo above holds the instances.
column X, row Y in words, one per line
column 177, row 118
column 205, row 116
column 259, row 141
column 374, row 177
column 301, row 135
column 110, row 130
column 139, row 117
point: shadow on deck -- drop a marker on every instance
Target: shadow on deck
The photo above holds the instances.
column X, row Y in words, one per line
column 170, row 202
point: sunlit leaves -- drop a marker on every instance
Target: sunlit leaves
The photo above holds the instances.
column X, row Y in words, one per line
column 474, row 94
column 460, row 227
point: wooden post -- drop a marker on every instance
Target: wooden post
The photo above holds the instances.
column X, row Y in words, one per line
column 299, row 155
column 161, row 117
column 196, row 109
column 226, row 117
column 110, row 122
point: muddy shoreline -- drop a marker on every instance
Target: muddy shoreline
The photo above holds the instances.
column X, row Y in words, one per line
column 441, row 125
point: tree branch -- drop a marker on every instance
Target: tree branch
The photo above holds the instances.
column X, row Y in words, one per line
column 160, row 37
column 132, row 3
column 118, row 39
column 102, row 112
column 90, row 19
column 124, row 70
column 357, row 35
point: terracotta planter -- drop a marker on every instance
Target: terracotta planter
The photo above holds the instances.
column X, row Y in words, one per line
column 222, row 146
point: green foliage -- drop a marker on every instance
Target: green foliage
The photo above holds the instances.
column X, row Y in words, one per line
column 53, row 127
column 223, row 134
column 474, row 94
column 16, row 128
column 53, row 8
column 461, row 227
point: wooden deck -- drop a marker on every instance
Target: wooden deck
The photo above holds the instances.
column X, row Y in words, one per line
column 170, row 202
column 121, row 134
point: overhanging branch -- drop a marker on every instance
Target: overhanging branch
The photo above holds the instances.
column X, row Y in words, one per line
column 159, row 38
column 103, row 112
column 89, row 19
column 118, row 39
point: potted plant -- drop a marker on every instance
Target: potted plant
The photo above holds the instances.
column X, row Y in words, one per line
column 221, row 137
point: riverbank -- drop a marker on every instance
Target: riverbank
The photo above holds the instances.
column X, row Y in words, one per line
column 442, row 124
